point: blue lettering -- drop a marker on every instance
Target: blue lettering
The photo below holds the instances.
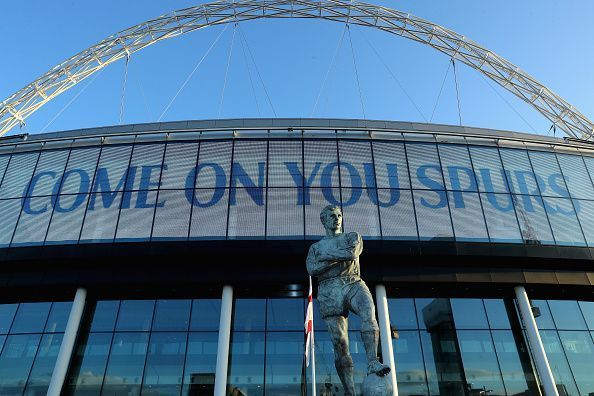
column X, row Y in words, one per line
column 220, row 181
column 83, row 185
column 256, row 192
column 108, row 195
column 426, row 180
column 216, row 197
column 558, row 185
column 31, row 186
column 145, row 176
column 78, row 200
column 492, row 198
column 443, row 201
column 27, row 207
column 454, row 173
column 301, row 181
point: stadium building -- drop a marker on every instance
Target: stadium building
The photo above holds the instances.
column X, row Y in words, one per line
column 154, row 220
column 169, row 258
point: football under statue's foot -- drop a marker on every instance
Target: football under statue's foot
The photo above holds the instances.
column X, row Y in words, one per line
column 375, row 367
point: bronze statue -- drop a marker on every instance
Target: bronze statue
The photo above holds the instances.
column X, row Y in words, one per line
column 334, row 260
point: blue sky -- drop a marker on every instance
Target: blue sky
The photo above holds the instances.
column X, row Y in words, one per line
column 550, row 40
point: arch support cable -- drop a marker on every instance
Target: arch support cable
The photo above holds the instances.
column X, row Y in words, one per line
column 20, row 105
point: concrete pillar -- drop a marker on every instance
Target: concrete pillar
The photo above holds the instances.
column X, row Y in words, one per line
column 67, row 346
column 224, row 339
column 538, row 352
column 383, row 315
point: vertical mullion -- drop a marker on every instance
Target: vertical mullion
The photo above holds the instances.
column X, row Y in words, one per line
column 113, row 333
column 510, row 189
column 303, row 187
column 339, row 178
column 230, row 187
column 412, row 194
column 148, row 345
column 194, row 189
column 90, row 192
column 422, row 348
column 187, row 342
column 267, row 164
column 445, row 189
column 16, row 225
column 57, row 195
column 490, row 330
column 541, row 197
column 158, row 189
column 124, row 191
column 379, row 217
column 478, row 193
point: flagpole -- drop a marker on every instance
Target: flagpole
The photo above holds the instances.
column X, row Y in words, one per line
column 313, row 361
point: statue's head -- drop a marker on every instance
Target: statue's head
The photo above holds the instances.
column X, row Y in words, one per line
column 331, row 218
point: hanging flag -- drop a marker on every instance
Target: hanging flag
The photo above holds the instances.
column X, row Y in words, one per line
column 309, row 339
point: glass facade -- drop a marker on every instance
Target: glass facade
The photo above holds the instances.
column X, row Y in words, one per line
column 274, row 188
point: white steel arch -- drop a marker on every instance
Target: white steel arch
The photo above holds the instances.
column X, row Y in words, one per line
column 17, row 107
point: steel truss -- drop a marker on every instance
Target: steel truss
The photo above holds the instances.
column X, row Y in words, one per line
column 20, row 105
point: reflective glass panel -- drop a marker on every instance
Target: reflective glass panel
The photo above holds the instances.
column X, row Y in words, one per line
column 587, row 308
column 249, row 314
column 579, row 350
column 467, row 216
column 425, row 169
column 284, row 213
column 67, row 219
column 247, row 211
column 112, row 170
column 567, row 315
column 410, row 375
column 397, row 214
column 285, row 167
column 58, row 316
column 147, row 159
column 402, row 313
column 548, row 174
column 563, row 221
column 33, row 222
column 7, row 312
column 442, row 362
column 321, row 168
column 209, row 214
column 433, row 215
column 469, row 313
column 519, row 171
column 180, row 159
column 480, row 362
column 16, row 361
column 284, row 363
column 356, row 166
column 125, row 366
column 246, row 364
column 136, row 216
column 391, row 168
column 205, row 314
column 434, row 313
column 585, row 214
column 558, row 362
column 214, row 165
column 285, row 314
column 488, row 169
column 533, row 219
column 18, row 174
column 46, row 179
column 101, row 217
column 88, row 366
column 458, row 172
column 360, row 212
column 30, row 318
column 201, row 361
column 172, row 315
column 576, row 176
column 43, row 367
column 515, row 366
column 164, row 364
column 545, row 319
column 172, row 215
column 9, row 215
column 135, row 315
column 497, row 314
column 80, row 170
column 104, row 315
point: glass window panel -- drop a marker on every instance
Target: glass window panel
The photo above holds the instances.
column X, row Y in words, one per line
column 246, row 366
column 101, row 217
column 67, row 219
column 30, row 318
column 567, row 315
column 58, row 317
column 7, row 312
column 457, row 167
column 249, row 164
column 497, row 314
column 180, row 159
column 519, row 172
column 442, row 362
column 284, row 363
column 80, row 170
column 9, row 215
column 321, row 163
column 433, row 216
column 402, row 313
column 3, row 165
column 315, row 200
column 545, row 320
column 533, row 220
column 285, row 314
column 410, row 375
column 249, row 314
column 164, row 364
column 172, row 218
column 360, row 212
column 425, row 169
column 201, row 362
column 135, row 315
column 16, row 361
column 391, row 169
column 205, row 314
column 576, row 176
column 587, row 308
column 550, row 179
column 285, row 213
column 501, row 217
column 579, row 349
column 469, row 313
column 585, row 214
column 147, row 159
column 172, row 315
column 111, row 174
column 88, row 366
column 515, row 365
column 558, row 362
column 18, row 174
column 214, row 163
column 356, row 165
column 488, row 169
column 564, row 222
column 480, row 362
column 47, row 174
column 589, row 161
column 397, row 214
column 105, row 315
column 126, row 364
column 41, row 373
column 33, row 222
column 209, row 215
column 434, row 313
column 247, row 213
column 285, row 168
column 136, row 216
column 467, row 216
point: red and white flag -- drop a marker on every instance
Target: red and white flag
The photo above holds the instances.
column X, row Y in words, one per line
column 310, row 349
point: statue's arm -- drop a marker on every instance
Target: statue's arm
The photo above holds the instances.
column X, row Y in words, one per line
column 348, row 251
column 315, row 264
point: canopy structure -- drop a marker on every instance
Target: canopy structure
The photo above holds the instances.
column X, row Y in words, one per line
column 20, row 105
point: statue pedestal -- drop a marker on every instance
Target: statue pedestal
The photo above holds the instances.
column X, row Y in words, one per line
column 374, row 385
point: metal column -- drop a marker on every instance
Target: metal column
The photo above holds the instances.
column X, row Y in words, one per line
column 386, row 333
column 540, row 357
column 223, row 346
column 67, row 346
